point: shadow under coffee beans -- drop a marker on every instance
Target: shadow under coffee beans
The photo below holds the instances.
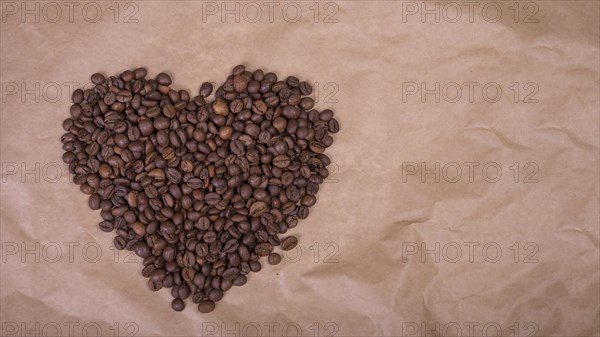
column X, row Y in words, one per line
column 200, row 187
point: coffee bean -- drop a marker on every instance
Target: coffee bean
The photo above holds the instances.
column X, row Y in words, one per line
column 263, row 249
column 255, row 266
column 140, row 73
column 307, row 103
column 124, row 96
column 120, row 242
column 237, row 70
column 158, row 275
column 289, row 243
column 317, row 147
column 220, row 108
column 106, row 226
column 206, row 306
column 148, row 270
column 97, row 79
column 141, row 249
column 188, row 274
column 212, row 198
column 333, row 126
column 154, row 286
column 305, row 88
column 258, row 208
column 281, row 161
column 274, row 258
column 173, row 175
column 215, row 295
column 230, row 274
column 226, row 132
column 326, row 115
column 77, row 96
column 163, row 79
column 189, row 259
column 206, row 89
column 240, row 280
column 169, row 111
column 139, row 228
column 259, row 107
column 178, row 304
column 240, row 83
column 290, row 112
column 94, row 201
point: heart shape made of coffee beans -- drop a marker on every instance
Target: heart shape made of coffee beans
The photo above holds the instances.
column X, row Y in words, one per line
column 200, row 187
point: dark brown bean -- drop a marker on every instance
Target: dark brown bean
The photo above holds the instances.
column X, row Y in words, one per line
column 206, row 306
column 289, row 243
column 274, row 258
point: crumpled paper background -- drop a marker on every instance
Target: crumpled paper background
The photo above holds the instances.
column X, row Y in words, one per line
column 463, row 199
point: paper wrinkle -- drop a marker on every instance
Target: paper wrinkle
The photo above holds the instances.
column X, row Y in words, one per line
column 504, row 139
column 580, row 143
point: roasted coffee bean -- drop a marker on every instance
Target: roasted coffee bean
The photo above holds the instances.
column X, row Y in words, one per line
column 97, row 79
column 230, row 274
column 263, row 249
column 274, row 258
column 215, row 295
column 77, row 96
column 178, row 304
column 289, row 243
column 326, row 115
column 163, row 79
column 140, row 73
column 141, row 249
column 258, row 208
column 281, row 161
column 154, row 286
column 305, row 88
column 200, row 188
column 240, row 280
column 139, row 228
column 212, row 198
column 188, row 274
column 333, row 126
column 120, row 242
column 106, row 226
column 94, row 201
column 206, row 89
column 220, row 108
column 239, row 69
column 158, row 275
column 148, row 270
column 255, row 266
column 206, row 306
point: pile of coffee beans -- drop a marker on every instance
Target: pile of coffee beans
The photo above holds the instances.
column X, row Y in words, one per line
column 200, row 187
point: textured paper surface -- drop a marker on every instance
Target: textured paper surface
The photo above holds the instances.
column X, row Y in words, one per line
column 396, row 246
